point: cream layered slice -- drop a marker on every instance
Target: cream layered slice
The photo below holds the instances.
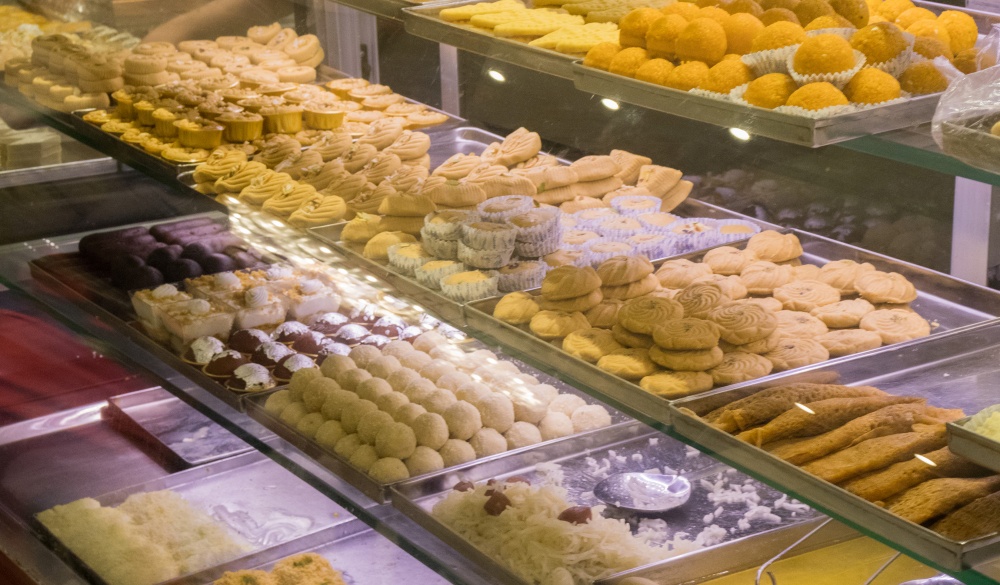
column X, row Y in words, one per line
column 148, row 302
column 259, row 309
column 186, row 321
column 309, row 299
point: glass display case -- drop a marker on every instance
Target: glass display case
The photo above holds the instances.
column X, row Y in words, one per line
column 378, row 290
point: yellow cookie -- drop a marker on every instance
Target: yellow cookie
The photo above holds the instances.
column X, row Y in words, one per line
column 631, row 364
column 673, row 385
column 739, row 367
column 697, row 360
column 516, row 308
column 844, row 313
column 848, row 341
column 740, row 324
column 797, row 353
column 642, row 315
column 680, row 273
column 686, row 334
column 896, row 325
column 590, row 344
column 806, row 295
column 555, row 325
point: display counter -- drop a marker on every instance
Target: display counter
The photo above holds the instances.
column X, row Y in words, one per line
column 299, row 327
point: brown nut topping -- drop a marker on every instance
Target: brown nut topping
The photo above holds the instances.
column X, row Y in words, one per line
column 464, row 486
column 576, row 515
column 496, row 504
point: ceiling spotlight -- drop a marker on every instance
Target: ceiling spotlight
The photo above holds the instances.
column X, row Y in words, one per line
column 740, row 134
column 610, row 104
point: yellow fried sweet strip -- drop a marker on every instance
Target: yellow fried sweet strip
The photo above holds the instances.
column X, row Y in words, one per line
column 876, row 453
column 937, row 497
column 764, row 405
column 582, row 45
column 536, row 27
column 979, row 518
column 883, row 484
column 573, row 33
column 462, row 13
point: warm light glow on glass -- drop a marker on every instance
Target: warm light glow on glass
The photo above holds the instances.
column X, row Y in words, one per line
column 925, row 460
column 740, row 134
column 496, row 75
column 610, row 104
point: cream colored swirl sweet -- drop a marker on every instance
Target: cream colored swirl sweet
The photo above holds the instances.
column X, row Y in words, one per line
column 740, row 324
column 451, row 193
column 796, row 353
column 256, row 297
column 264, row 187
column 329, row 209
column 762, row 277
column 686, row 334
column 896, row 325
column 798, row 325
column 346, row 186
column 239, row 177
column 290, row 198
column 277, row 149
column 408, row 179
column 458, row 166
column 843, row 314
column 484, row 172
column 332, row 145
column 368, row 199
column 519, row 146
column 516, row 308
column 382, row 132
column 557, row 324
column 605, row 314
column 629, row 363
column 622, row 270
column 700, row 298
column 727, row 260
column 321, row 175
column 885, row 287
column 298, row 162
column 841, row 274
column 680, row 273
column 358, row 156
column 642, row 315
column 775, row 247
column 731, row 285
column 409, row 145
column 590, row 344
column 739, row 366
column 806, row 295
column 694, row 360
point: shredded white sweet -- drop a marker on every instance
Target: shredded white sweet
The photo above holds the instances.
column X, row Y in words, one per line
column 530, row 539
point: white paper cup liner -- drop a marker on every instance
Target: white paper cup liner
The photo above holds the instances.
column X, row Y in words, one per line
column 536, row 249
column 653, row 246
column 688, row 242
column 839, row 80
column 623, row 204
column 471, row 291
column 441, row 249
column 448, row 231
column 585, row 222
column 844, row 32
column 735, row 237
column 583, row 245
column 770, row 61
column 591, row 234
column 903, row 97
column 710, row 94
column 432, row 278
column 896, row 66
column 656, row 228
column 493, row 258
column 406, row 264
column 514, row 204
column 542, row 231
column 816, row 114
column 501, row 238
column 596, row 254
column 528, row 278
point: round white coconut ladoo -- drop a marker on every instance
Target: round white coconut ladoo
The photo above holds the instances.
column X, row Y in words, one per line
column 424, row 460
column 301, row 379
column 435, row 369
column 590, row 417
column 388, row 470
column 522, row 434
column 349, row 379
column 545, row 392
column 566, row 404
column 396, row 440
column 402, row 377
column 456, row 452
column 488, row 442
column 439, row 401
column 419, row 390
column 496, row 411
column 463, row 420
column 408, row 413
column 316, row 392
column 472, row 391
column 334, row 405
column 364, row 457
column 382, row 367
column 398, row 348
column 373, row 388
column 431, row 430
column 371, row 423
column 425, row 342
column 392, row 402
column 277, row 402
column 352, row 413
column 453, row 380
column 346, row 446
column 364, row 354
column 555, row 425
column 415, row 360
column 530, row 410
column 334, row 365
column 309, row 424
column 293, row 413
column 329, row 433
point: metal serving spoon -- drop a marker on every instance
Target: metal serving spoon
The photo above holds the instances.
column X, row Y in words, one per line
column 644, row 492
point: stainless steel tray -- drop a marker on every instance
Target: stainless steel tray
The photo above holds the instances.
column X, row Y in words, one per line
column 251, row 495
column 363, row 557
column 371, row 488
column 945, row 301
column 423, row 22
column 170, row 429
column 104, row 138
column 583, row 463
column 957, row 369
column 756, row 121
column 453, row 310
column 973, row 446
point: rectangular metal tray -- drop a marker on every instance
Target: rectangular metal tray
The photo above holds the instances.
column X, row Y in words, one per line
column 111, row 143
column 169, row 429
column 273, row 505
column 438, row 303
column 973, row 446
column 363, row 557
column 957, row 369
column 380, row 491
column 423, row 21
column 583, row 463
column 756, row 121
column 946, row 302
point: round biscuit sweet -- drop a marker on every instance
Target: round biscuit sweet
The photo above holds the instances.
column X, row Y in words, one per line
column 727, row 260
column 739, row 367
column 797, row 353
column 885, row 287
column 896, row 325
column 673, row 385
column 775, row 247
column 574, row 304
column 740, row 324
column 841, row 274
column 762, row 277
column 605, row 314
column 698, row 299
column 680, row 273
column 590, row 344
column 769, row 304
column 806, row 295
column 849, row 341
column 759, row 347
column 731, row 285
column 697, row 360
column 642, row 315
column 632, row 290
column 629, row 339
column 622, row 270
column 843, row 314
column 686, row 334
column 556, row 325
column 797, row 324
column 567, row 282
column 516, row 308
column 631, row 364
